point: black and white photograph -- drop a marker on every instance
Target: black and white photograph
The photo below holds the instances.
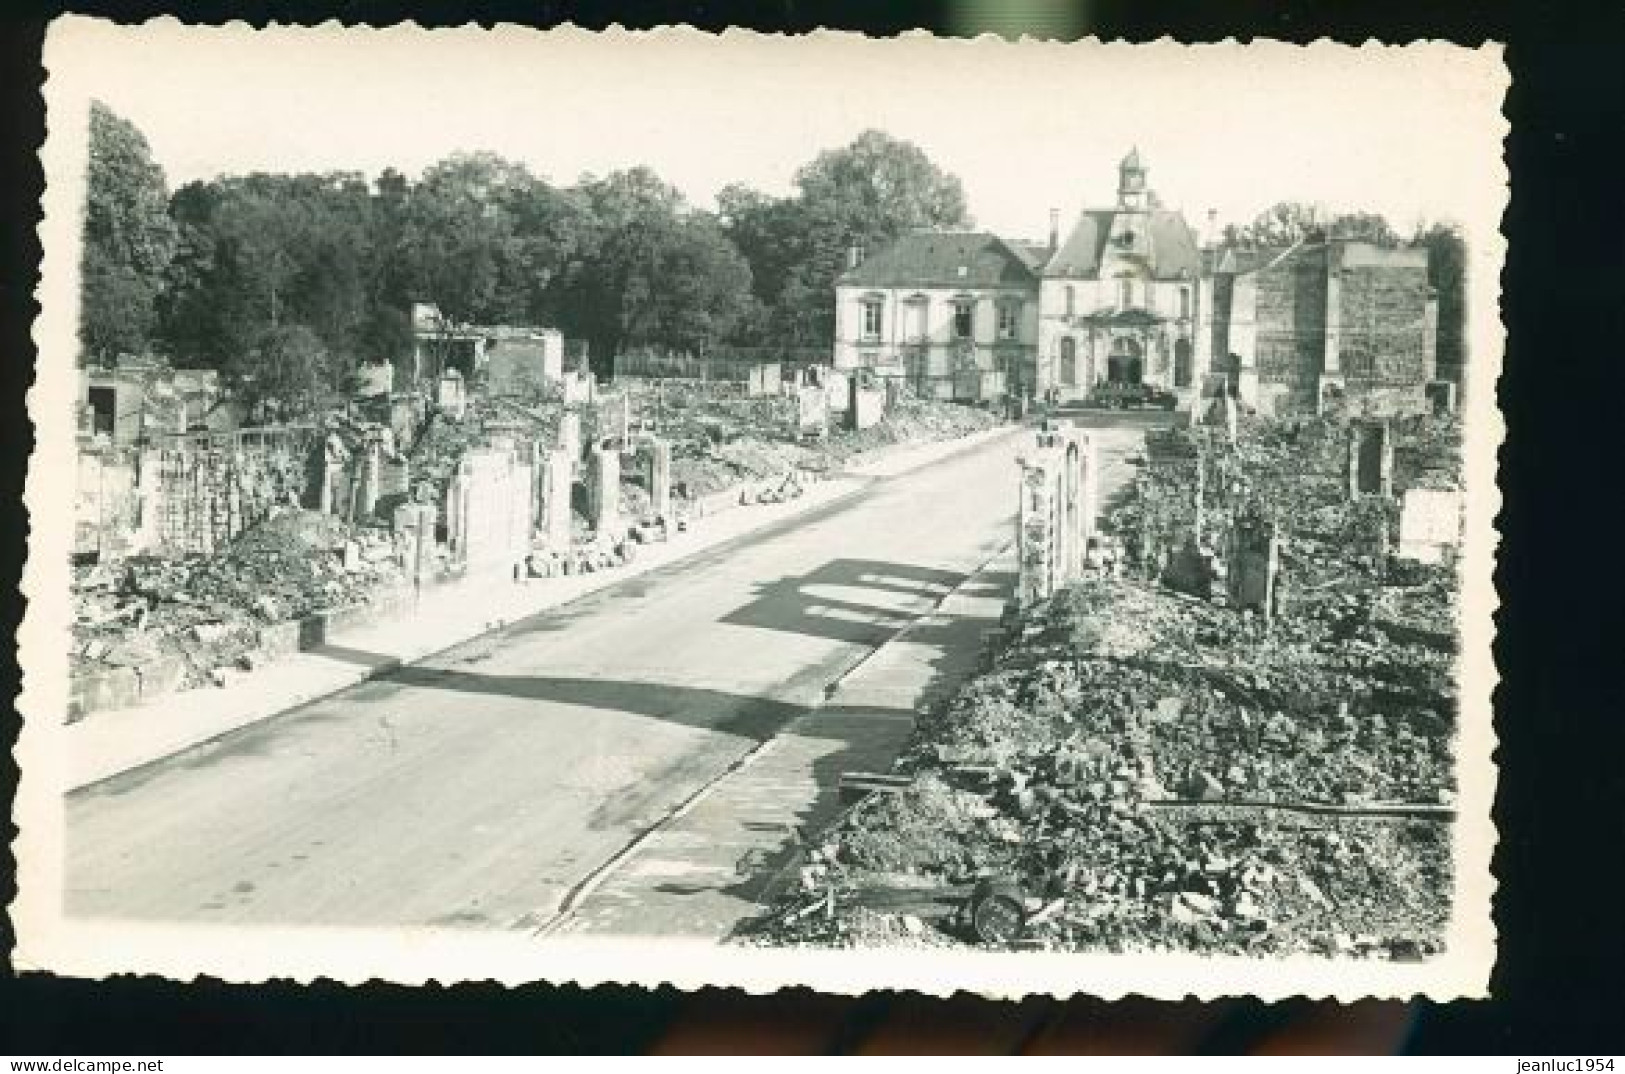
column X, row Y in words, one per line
column 728, row 509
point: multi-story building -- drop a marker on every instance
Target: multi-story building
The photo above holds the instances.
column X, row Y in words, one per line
column 1133, row 296
column 1122, row 299
column 953, row 313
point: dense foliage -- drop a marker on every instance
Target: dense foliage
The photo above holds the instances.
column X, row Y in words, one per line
column 319, row 272
column 129, row 238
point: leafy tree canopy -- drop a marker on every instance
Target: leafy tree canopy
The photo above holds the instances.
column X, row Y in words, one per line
column 129, row 238
column 1289, row 222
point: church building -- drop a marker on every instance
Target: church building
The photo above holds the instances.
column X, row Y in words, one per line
column 1132, row 295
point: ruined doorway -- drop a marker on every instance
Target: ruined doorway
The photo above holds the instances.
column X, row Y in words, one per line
column 1126, row 362
column 103, row 404
column 1368, row 476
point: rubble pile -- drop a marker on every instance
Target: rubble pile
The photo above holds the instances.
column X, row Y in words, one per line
column 1110, row 697
column 911, row 420
column 1151, row 771
column 444, row 438
column 209, row 610
column 722, row 437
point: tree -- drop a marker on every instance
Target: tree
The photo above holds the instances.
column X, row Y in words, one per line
column 864, row 194
column 129, row 238
column 700, row 291
column 264, row 251
column 1447, row 274
column 285, row 372
column 1290, row 222
column 881, row 186
column 658, row 275
column 489, row 243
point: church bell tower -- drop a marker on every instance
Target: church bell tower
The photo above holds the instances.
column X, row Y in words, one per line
column 1131, row 191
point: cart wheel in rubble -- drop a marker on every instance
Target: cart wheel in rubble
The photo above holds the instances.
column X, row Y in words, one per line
column 998, row 912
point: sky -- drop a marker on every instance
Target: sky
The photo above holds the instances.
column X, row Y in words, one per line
column 1412, row 133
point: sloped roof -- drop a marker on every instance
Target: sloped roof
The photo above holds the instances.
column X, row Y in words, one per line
column 1033, row 253
column 1173, row 248
column 1237, row 261
column 935, row 258
column 1132, row 160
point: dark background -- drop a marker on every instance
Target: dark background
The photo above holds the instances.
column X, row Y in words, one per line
column 1559, row 707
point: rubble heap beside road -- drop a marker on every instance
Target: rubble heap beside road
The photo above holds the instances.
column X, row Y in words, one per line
column 1311, row 756
column 207, row 614
column 150, row 623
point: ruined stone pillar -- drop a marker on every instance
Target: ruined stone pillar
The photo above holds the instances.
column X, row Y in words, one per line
column 369, row 478
column 457, row 502
column 558, row 478
column 1371, row 459
column 1035, row 528
column 149, row 487
column 1089, row 488
column 604, row 489
column 570, row 435
column 1253, row 567
column 450, row 396
column 1331, row 363
column 414, row 526
column 660, row 480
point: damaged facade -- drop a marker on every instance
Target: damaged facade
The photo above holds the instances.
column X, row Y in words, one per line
column 1132, row 296
column 510, row 360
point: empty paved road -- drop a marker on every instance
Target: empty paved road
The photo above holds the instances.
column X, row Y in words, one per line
column 479, row 787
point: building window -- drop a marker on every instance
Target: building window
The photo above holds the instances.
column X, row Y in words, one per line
column 871, row 318
column 964, row 318
column 1071, row 301
column 1069, row 362
column 914, row 320
column 1125, row 293
column 1184, row 301
column 1009, row 319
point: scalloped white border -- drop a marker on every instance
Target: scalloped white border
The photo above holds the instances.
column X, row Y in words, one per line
column 49, row 941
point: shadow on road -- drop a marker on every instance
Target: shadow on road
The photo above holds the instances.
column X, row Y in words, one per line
column 856, row 601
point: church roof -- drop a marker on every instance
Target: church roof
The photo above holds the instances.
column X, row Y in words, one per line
column 1173, row 250
column 1132, row 161
column 944, row 259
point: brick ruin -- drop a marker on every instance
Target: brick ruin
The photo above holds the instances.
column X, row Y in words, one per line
column 1327, row 326
column 1059, row 490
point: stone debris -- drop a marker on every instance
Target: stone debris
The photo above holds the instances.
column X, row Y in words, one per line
column 209, row 611
column 208, row 614
column 1125, row 690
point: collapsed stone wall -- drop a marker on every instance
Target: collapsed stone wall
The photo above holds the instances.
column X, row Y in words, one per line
column 107, row 501
column 200, row 492
column 1384, row 327
column 1290, row 326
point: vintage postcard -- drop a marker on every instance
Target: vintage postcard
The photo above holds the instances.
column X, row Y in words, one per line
column 1012, row 517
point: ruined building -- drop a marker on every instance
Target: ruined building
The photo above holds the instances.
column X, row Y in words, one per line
column 1327, row 317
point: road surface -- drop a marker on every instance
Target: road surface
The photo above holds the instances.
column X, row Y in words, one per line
column 479, row 787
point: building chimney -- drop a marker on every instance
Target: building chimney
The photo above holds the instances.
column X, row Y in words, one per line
column 1212, row 227
column 1054, row 230
column 854, row 255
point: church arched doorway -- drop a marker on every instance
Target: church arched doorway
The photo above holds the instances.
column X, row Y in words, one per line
column 1126, row 362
